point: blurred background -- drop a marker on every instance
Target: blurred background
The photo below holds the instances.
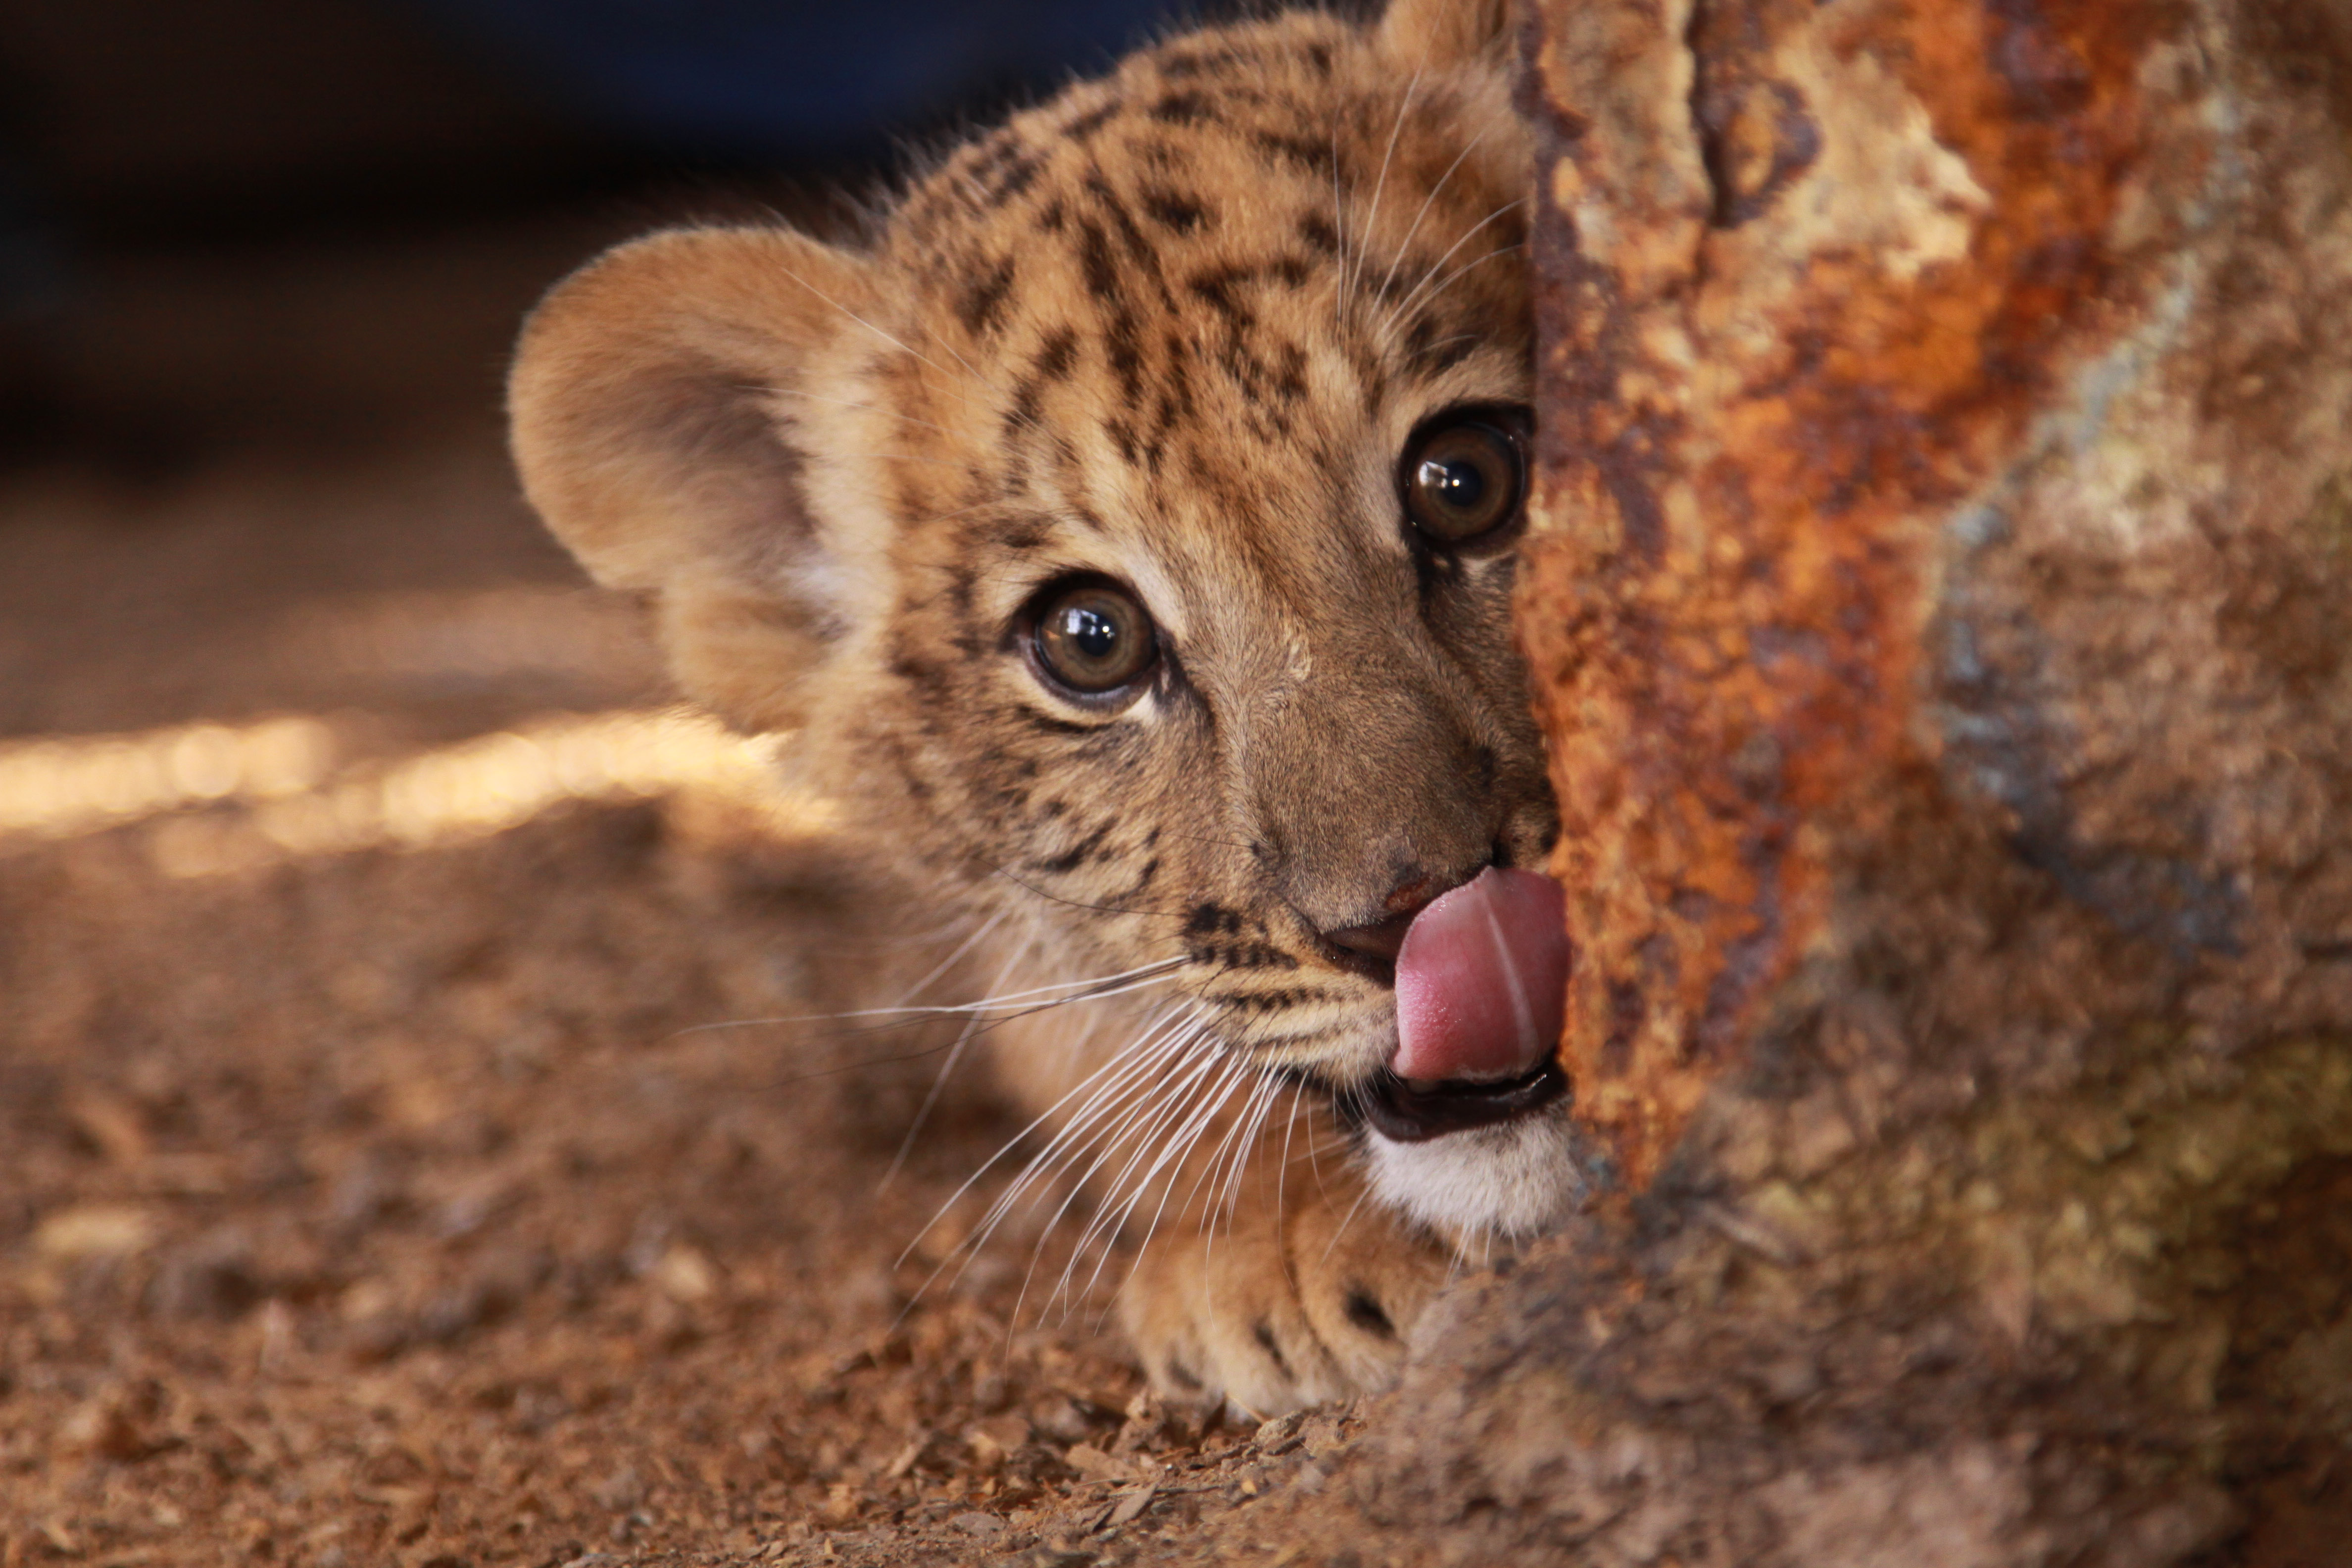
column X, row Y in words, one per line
column 294, row 220
column 261, row 262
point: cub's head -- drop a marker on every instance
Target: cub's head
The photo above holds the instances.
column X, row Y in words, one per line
column 1128, row 529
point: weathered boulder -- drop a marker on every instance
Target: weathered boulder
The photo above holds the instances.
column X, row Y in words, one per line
column 1939, row 604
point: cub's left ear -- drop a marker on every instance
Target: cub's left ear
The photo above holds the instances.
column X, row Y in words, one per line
column 1433, row 35
column 649, row 422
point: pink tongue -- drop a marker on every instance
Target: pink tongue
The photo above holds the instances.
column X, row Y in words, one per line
column 1480, row 979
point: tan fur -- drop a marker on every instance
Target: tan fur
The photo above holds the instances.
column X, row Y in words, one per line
column 1175, row 328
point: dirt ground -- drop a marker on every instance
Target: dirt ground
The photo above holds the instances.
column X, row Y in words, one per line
column 371, row 1191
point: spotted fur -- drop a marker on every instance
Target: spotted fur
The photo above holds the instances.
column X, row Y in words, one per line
column 1172, row 328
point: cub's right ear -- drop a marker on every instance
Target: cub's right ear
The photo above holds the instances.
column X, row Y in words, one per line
column 649, row 411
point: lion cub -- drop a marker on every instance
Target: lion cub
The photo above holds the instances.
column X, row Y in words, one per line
column 1128, row 531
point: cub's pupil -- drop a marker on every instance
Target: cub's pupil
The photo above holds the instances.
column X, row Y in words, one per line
column 1092, row 633
column 1092, row 639
column 1457, row 485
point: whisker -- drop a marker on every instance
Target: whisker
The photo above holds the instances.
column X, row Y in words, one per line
column 939, row 1083
column 1208, row 1175
column 1380, row 182
column 1261, row 1105
column 1122, row 1065
column 1345, row 1220
column 1406, row 244
column 1171, row 1106
column 1474, row 261
column 979, row 934
column 1413, row 296
column 1340, row 238
column 1146, row 1105
column 1075, row 904
column 1156, row 968
column 886, row 337
column 1106, row 1221
column 1231, row 1073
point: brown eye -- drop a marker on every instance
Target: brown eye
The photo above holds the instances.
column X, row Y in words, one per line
column 1463, row 475
column 1093, row 637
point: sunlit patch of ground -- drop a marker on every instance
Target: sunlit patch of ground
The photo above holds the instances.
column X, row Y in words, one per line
column 370, row 1191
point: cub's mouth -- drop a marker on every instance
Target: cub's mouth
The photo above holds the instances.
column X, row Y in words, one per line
column 1403, row 1112
column 1479, row 985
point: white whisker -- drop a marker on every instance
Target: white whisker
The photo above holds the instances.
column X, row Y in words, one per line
column 1123, row 1062
column 1012, row 1000
column 955, row 1053
column 1405, row 244
column 1414, row 295
column 1380, row 182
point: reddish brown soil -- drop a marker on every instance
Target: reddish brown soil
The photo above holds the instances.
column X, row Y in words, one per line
column 370, row 1208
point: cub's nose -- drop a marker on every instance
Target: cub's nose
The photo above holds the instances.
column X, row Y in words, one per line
column 1382, row 939
column 1371, row 949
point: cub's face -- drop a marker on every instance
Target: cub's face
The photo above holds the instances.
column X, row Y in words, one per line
column 1129, row 531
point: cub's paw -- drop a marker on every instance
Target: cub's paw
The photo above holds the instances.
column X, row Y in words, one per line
column 1276, row 1311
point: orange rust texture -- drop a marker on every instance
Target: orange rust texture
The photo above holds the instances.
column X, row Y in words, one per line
column 1806, row 273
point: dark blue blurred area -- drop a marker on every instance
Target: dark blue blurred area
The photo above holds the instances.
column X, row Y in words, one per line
column 761, row 79
column 263, row 222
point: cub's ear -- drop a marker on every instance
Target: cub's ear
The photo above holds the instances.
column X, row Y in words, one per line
column 647, row 406
column 1433, row 35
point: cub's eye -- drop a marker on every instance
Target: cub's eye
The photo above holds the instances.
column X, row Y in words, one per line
column 1092, row 638
column 1465, row 474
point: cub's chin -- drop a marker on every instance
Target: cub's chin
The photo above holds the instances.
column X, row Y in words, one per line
column 1506, row 1182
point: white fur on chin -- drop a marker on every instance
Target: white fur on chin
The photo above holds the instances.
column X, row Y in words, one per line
column 1507, row 1182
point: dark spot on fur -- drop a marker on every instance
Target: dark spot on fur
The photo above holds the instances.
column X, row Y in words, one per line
column 1291, row 271
column 1095, row 262
column 1175, row 211
column 1364, row 1312
column 1122, row 439
column 1319, row 233
column 1003, row 168
column 1087, row 124
column 1307, row 152
column 1189, row 107
column 1053, row 217
column 1290, row 372
column 962, row 583
column 1018, row 178
column 1023, row 533
column 980, row 304
column 1263, row 1331
column 1319, row 55
column 1210, row 918
column 1055, row 356
column 1264, row 1001
column 1138, row 249
column 1075, row 856
column 1183, row 1376
column 1427, row 353
column 1175, row 393
column 1215, row 290
column 1176, row 67
column 931, row 680
column 1023, row 414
